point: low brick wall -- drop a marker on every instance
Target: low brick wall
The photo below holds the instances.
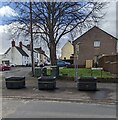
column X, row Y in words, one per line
column 107, row 80
column 101, row 80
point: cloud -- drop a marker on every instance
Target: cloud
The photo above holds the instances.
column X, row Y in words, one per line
column 7, row 11
column 7, row 34
column 4, row 38
column 109, row 22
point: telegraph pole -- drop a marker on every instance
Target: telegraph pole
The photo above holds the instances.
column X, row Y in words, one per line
column 31, row 36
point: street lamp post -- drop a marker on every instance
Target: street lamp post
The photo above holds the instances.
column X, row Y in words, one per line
column 76, row 60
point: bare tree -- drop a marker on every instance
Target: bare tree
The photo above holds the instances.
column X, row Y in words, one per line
column 53, row 20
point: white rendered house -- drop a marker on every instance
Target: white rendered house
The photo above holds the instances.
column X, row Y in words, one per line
column 19, row 55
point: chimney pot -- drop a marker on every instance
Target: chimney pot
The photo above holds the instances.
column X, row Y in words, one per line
column 28, row 46
column 13, row 43
column 20, row 44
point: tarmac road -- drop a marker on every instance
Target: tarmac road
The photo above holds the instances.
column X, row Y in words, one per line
column 16, row 71
column 49, row 109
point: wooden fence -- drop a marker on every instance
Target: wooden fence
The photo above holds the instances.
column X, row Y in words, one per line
column 109, row 63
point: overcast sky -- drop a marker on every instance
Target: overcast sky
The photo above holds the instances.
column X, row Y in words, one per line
column 108, row 24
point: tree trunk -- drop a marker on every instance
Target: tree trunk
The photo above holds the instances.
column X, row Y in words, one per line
column 53, row 53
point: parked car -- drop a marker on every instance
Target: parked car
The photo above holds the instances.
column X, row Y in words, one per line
column 47, row 63
column 4, row 67
column 62, row 63
column 12, row 65
column 28, row 65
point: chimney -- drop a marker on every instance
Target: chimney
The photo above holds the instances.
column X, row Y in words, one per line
column 40, row 48
column 20, row 44
column 28, row 46
column 13, row 43
column 41, row 51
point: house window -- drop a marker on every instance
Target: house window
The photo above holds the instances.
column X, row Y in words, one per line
column 97, row 43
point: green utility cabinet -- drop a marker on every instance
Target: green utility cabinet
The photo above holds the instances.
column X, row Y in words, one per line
column 55, row 71
column 40, row 71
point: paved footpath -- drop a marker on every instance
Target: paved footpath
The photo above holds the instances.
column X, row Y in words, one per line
column 65, row 91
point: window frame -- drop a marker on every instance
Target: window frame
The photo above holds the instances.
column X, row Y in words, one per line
column 97, row 43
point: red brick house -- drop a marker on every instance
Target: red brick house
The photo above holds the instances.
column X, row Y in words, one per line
column 93, row 44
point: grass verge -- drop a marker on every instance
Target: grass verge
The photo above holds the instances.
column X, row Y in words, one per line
column 85, row 72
